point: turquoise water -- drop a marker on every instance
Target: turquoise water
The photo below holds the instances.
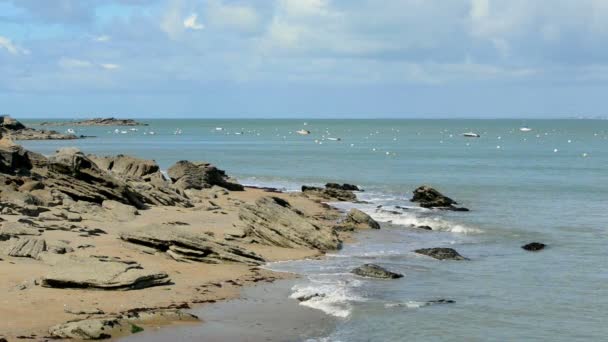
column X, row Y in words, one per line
column 548, row 185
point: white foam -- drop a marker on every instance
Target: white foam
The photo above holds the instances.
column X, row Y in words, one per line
column 412, row 219
column 328, row 295
column 409, row 305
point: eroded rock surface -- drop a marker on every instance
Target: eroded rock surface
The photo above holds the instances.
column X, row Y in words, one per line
column 101, row 273
column 356, row 219
column 200, row 175
column 183, row 245
column 329, row 194
column 428, row 197
column 273, row 221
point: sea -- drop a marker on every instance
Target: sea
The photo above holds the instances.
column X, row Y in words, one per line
column 547, row 183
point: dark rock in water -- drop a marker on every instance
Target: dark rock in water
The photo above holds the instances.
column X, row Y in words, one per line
column 423, row 227
column 200, row 175
column 18, row 131
column 96, row 122
column 441, row 301
column 375, row 271
column 309, row 297
column 441, row 253
column 431, row 198
column 345, row 186
column 330, row 194
column 356, row 219
column 534, row 246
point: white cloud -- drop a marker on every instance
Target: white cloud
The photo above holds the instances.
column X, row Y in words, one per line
column 232, row 16
column 304, row 7
column 72, row 63
column 171, row 22
column 103, row 39
column 192, row 23
column 11, row 47
column 109, row 66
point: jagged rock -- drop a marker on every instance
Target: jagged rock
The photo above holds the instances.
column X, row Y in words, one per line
column 356, row 219
column 183, row 245
column 273, row 221
column 101, row 273
column 31, row 186
column 345, row 186
column 441, row 253
column 422, row 227
column 375, row 271
column 72, row 173
column 52, row 216
column 534, row 246
column 129, row 167
column 27, row 248
column 18, row 131
column 161, row 194
column 428, row 197
column 200, row 175
column 329, row 194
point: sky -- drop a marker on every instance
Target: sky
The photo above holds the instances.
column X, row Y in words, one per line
column 304, row 58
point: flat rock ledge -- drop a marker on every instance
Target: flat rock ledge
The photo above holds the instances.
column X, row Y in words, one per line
column 356, row 219
column 183, row 245
column 116, row 326
column 102, row 273
column 274, row 222
column 441, row 253
column 329, row 193
column 375, row 271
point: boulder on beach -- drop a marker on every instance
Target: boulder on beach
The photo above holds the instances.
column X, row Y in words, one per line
column 200, row 175
column 441, row 253
column 356, row 219
column 274, row 222
column 534, row 246
column 375, row 271
column 101, row 273
column 27, row 247
column 184, row 245
column 428, row 197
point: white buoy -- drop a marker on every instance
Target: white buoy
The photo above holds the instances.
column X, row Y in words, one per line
column 584, row 155
column 498, row 147
column 555, row 150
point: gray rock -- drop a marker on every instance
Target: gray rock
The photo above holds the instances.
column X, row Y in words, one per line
column 120, row 211
column 200, row 175
column 73, row 217
column 16, row 229
column 428, row 197
column 273, row 221
column 375, row 271
column 27, row 248
column 101, row 273
column 441, row 253
column 356, row 219
column 329, row 194
column 183, row 245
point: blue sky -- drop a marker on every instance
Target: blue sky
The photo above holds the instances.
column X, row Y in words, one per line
column 303, row 58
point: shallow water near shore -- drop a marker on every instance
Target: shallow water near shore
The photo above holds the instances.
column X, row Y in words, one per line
column 547, row 185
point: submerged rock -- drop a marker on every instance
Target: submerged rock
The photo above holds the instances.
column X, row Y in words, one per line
column 534, row 246
column 273, row 221
column 101, row 273
column 375, row 271
column 200, row 175
column 441, row 253
column 356, row 219
column 431, row 198
column 183, row 245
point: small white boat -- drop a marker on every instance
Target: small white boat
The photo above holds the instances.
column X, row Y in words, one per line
column 178, row 131
column 151, row 132
column 71, row 131
column 219, row 129
column 525, row 129
column 471, row 135
column 116, row 131
column 334, row 139
column 303, row 132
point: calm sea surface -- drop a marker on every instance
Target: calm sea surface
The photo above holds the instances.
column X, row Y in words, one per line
column 549, row 185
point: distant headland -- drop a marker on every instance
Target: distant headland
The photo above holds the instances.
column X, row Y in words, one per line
column 96, row 122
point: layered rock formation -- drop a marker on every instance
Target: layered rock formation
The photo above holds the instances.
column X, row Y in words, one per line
column 375, row 271
column 441, row 253
column 428, row 197
column 356, row 219
column 329, row 194
column 200, row 175
column 273, row 221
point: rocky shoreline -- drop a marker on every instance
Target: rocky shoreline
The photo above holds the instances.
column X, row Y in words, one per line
column 96, row 122
column 112, row 246
column 15, row 130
